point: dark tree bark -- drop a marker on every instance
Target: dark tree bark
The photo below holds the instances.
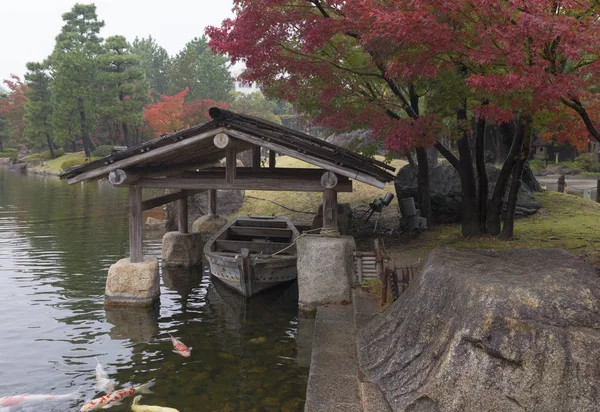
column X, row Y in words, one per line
column 508, row 230
column 1, row 146
column 482, row 176
column 470, row 210
column 496, row 203
column 126, row 134
column 529, row 179
column 50, row 145
column 423, row 193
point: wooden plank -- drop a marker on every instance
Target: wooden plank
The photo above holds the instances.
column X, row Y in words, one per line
column 230, row 165
column 261, row 223
column 182, row 213
column 306, row 173
column 255, row 247
column 161, row 200
column 256, row 159
column 135, row 224
column 212, row 202
column 242, row 183
column 260, row 232
column 272, row 159
column 144, row 157
column 330, row 209
column 353, row 174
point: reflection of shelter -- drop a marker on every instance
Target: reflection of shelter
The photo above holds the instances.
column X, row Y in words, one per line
column 133, row 323
column 188, row 161
column 540, row 147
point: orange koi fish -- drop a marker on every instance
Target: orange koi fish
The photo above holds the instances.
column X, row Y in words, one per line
column 180, row 348
column 114, row 398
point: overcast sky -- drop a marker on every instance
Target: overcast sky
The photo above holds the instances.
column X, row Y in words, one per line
column 28, row 27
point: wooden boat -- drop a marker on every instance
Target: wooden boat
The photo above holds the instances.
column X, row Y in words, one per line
column 253, row 253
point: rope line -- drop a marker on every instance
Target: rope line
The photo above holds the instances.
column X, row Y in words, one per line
column 280, row 205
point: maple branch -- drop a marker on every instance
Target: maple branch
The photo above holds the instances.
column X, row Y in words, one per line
column 575, row 104
column 319, row 6
column 447, row 154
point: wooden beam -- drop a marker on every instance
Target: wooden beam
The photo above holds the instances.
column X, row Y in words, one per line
column 161, row 200
column 330, row 209
column 264, row 247
column 144, row 157
column 182, row 213
column 256, row 159
column 260, row 232
column 272, row 183
column 272, row 157
column 230, row 165
column 212, row 202
column 361, row 177
column 135, row 224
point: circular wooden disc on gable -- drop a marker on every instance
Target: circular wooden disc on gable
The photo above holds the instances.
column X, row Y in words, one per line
column 329, row 180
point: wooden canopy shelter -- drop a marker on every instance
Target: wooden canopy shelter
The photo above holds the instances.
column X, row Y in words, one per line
column 188, row 160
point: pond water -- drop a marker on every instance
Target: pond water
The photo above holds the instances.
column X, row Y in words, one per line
column 56, row 244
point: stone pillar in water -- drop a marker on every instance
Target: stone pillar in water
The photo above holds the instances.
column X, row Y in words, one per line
column 132, row 284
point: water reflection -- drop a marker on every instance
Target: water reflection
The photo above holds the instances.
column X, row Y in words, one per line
column 133, row 323
column 56, row 244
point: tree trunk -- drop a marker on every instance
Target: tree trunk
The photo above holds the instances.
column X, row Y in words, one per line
column 482, row 177
column 508, row 230
column 1, row 146
column 423, row 195
column 125, row 134
column 470, row 210
column 50, row 145
column 529, row 179
column 497, row 201
column 84, row 139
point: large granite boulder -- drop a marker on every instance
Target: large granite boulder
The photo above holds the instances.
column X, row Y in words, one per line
column 446, row 195
column 514, row 330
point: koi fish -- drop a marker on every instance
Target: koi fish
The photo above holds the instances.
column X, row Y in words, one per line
column 103, row 383
column 180, row 348
column 115, row 398
column 29, row 400
column 149, row 408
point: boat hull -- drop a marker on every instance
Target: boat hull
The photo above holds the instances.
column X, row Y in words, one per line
column 258, row 276
column 252, row 254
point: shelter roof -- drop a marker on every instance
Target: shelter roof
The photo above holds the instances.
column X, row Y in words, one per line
column 193, row 148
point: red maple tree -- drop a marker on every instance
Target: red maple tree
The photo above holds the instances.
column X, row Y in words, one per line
column 172, row 113
column 415, row 71
column 12, row 107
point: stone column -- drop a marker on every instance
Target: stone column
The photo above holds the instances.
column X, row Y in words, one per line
column 325, row 270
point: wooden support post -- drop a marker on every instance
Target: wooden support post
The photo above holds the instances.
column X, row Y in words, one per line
column 182, row 213
column 230, row 165
column 272, row 157
column 598, row 191
column 135, row 224
column 212, row 202
column 330, row 209
column 255, row 159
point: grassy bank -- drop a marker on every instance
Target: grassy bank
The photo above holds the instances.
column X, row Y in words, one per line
column 564, row 222
column 53, row 166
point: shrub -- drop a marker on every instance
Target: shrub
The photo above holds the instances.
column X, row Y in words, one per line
column 588, row 162
column 537, row 164
column 46, row 155
column 102, row 151
column 7, row 154
column 73, row 162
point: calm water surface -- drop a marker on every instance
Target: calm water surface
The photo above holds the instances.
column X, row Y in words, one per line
column 56, row 244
